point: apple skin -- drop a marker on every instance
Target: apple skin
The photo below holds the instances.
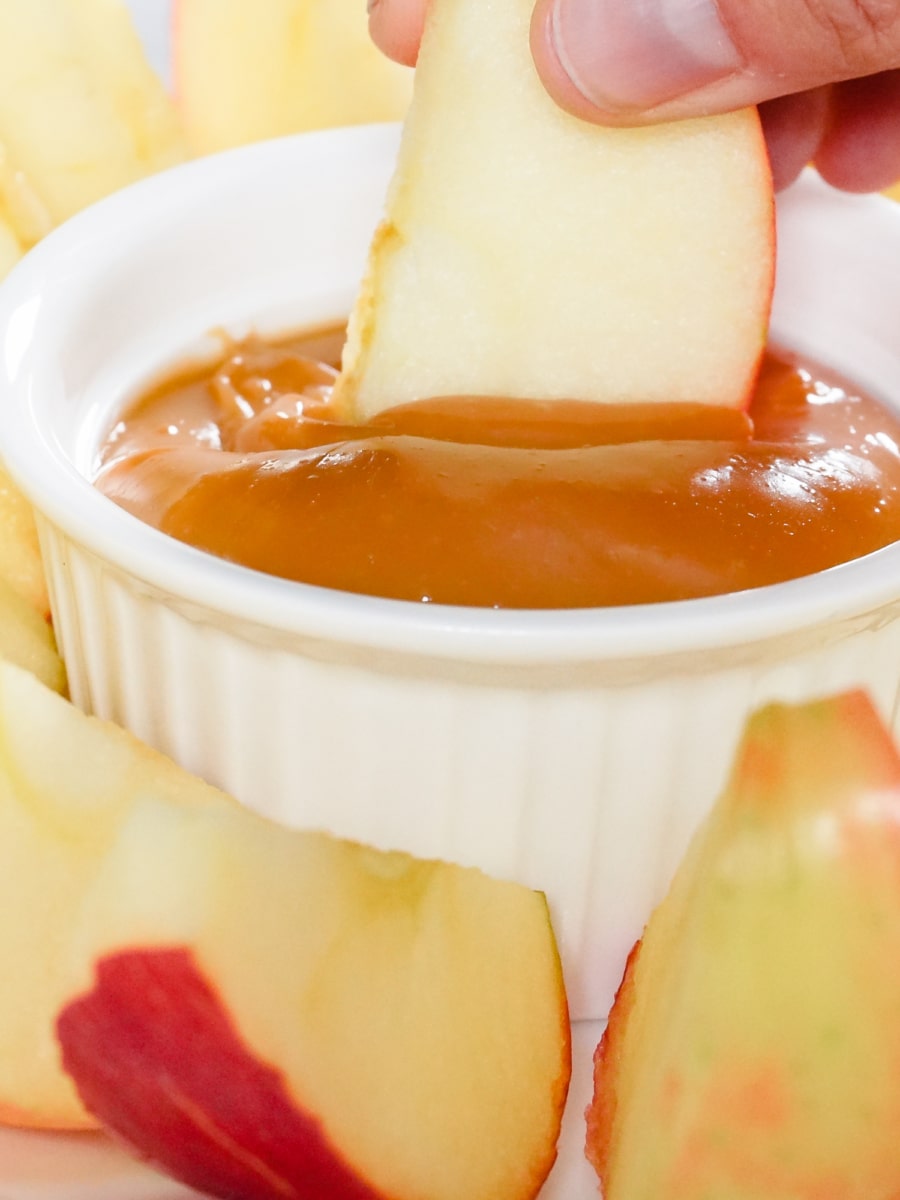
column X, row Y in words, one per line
column 600, row 1116
column 179, row 1078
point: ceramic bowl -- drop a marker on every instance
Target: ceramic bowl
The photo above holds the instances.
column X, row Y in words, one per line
column 573, row 751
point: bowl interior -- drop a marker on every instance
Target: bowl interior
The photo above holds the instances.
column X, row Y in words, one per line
column 274, row 237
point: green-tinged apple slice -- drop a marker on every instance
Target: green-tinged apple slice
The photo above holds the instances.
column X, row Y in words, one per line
column 250, row 71
column 304, row 1016
column 526, row 253
column 757, row 1032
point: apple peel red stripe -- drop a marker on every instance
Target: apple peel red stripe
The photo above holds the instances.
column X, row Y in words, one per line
column 155, row 1058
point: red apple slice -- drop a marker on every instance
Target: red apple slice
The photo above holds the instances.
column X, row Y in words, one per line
column 251, row 71
column 756, row 1032
column 402, row 1024
column 525, row 253
column 409, row 1016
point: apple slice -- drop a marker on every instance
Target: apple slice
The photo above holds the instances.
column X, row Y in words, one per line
column 26, row 639
column 278, row 1006
column 21, row 565
column 249, row 71
column 528, row 254
column 81, row 111
column 756, row 1032
column 310, row 1010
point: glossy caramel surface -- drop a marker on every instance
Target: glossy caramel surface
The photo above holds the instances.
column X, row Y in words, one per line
column 489, row 503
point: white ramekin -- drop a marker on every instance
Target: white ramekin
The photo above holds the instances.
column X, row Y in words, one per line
column 573, row 751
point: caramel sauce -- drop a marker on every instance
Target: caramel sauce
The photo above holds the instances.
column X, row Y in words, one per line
column 493, row 503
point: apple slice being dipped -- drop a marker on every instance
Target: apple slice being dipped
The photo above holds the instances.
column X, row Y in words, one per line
column 528, row 254
column 756, row 1032
column 259, row 1011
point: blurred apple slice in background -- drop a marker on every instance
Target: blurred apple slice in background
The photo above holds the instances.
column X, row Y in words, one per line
column 526, row 253
column 81, row 111
column 244, row 72
column 26, row 639
column 21, row 565
column 753, row 1050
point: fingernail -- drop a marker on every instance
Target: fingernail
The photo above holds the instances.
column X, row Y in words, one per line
column 635, row 54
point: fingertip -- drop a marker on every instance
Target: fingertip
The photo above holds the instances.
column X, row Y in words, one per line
column 555, row 78
column 558, row 79
column 396, row 28
column 860, row 151
column 794, row 127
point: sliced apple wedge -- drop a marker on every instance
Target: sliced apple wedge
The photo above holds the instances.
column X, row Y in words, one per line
column 249, row 71
column 362, row 1025
column 525, row 253
column 245, row 1004
column 81, row 111
column 21, row 565
column 756, row 1033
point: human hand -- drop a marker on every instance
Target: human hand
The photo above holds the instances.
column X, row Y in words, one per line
column 824, row 72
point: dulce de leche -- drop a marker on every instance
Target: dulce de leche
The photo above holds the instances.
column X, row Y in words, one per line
column 496, row 503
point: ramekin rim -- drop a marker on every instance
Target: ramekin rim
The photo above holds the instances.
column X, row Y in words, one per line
column 187, row 576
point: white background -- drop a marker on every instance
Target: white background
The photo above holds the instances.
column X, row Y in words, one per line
column 153, row 18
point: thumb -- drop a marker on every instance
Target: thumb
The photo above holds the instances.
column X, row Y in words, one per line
column 627, row 61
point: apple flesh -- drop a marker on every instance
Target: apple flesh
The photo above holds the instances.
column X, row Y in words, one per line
column 81, row 111
column 249, row 71
column 756, row 1031
column 526, row 253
